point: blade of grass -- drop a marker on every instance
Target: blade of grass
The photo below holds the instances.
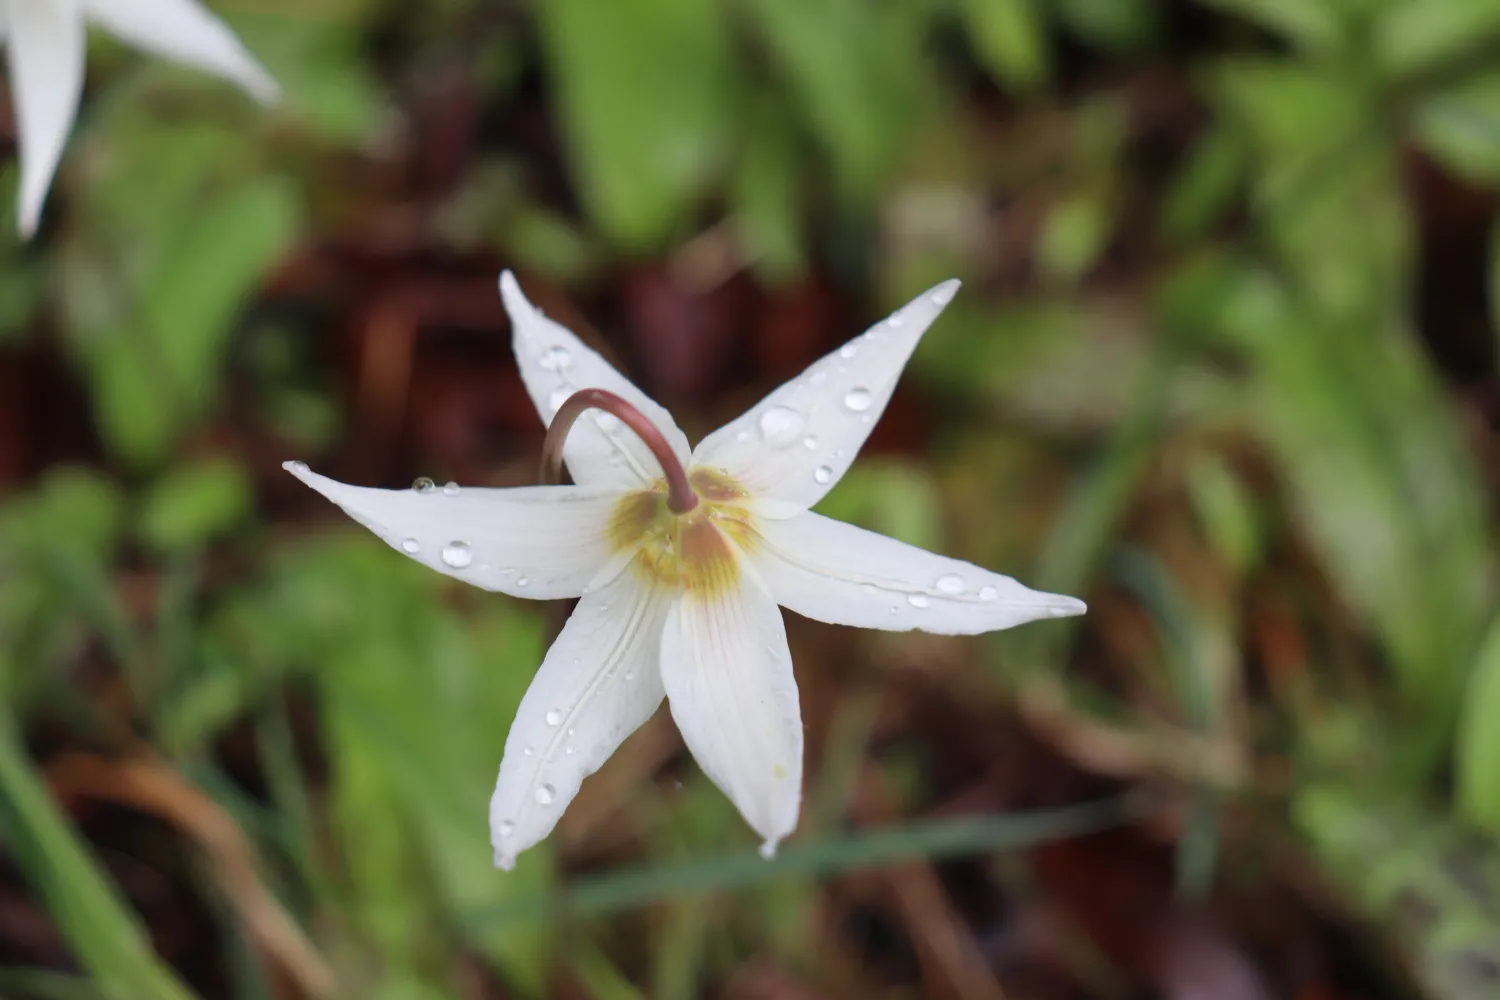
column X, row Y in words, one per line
column 929, row 839
column 99, row 928
column 1186, row 651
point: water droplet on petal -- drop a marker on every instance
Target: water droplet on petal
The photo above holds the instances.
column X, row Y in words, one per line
column 557, row 398
column 572, row 732
column 810, row 443
column 555, row 358
column 858, row 399
column 944, row 294
column 918, row 600
column 296, row 466
column 848, row 351
column 505, row 862
column 823, row 475
column 457, row 554
column 528, row 751
column 987, row 593
column 554, row 718
column 742, row 436
column 817, row 378
column 606, row 421
column 568, row 749
column 507, row 828
column 630, row 675
column 423, row 485
column 522, row 581
column 450, row 489
column 767, row 850
column 545, row 794
column 411, row 546
column 951, row 583
column 895, row 320
column 780, row 425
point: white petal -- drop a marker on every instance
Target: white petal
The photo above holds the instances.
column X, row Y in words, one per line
column 185, row 31
column 598, row 684
column 555, row 364
column 834, row 572
column 46, row 46
column 541, row 542
column 792, row 446
column 728, row 676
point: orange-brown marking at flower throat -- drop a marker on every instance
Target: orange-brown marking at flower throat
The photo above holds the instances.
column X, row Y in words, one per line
column 692, row 553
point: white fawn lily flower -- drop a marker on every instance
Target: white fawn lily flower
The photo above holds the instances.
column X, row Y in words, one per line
column 681, row 557
column 44, row 41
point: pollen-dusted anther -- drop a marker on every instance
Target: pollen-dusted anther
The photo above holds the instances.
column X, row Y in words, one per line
column 680, row 495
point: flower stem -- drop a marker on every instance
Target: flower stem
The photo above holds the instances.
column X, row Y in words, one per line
column 680, row 495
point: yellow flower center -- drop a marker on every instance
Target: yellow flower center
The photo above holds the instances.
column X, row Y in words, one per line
column 689, row 553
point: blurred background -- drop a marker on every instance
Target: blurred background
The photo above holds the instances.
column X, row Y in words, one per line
column 1224, row 364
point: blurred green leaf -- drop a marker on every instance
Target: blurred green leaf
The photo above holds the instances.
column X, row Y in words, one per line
column 23, row 279
column 192, row 503
column 1011, row 39
column 1314, row 25
column 98, row 927
column 1203, row 191
column 318, row 61
column 647, row 101
column 767, row 198
column 548, row 243
column 893, row 498
column 157, row 370
column 1429, row 888
column 1387, row 492
column 600, row 977
column 1227, row 510
column 1294, row 112
column 1075, row 234
column 70, row 508
column 1121, row 25
column 1478, row 750
column 1327, row 197
column 1412, row 36
column 1461, row 126
column 414, row 702
column 860, row 76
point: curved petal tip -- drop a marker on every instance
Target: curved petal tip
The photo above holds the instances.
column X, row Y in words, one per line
column 1063, row 606
column 511, row 294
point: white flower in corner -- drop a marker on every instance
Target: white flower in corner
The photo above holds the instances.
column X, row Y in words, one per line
column 684, row 605
column 44, row 42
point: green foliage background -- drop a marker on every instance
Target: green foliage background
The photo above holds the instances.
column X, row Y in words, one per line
column 1196, row 393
